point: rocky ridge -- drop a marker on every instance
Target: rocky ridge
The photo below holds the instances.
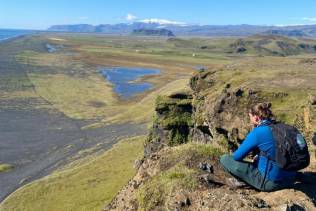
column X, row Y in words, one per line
column 191, row 129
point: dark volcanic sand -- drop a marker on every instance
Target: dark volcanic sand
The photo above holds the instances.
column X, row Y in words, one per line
column 37, row 141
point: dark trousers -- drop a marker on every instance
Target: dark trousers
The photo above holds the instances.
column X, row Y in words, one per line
column 250, row 174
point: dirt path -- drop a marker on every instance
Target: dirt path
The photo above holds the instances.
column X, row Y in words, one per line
column 37, row 141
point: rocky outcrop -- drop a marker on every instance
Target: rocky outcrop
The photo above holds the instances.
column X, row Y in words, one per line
column 173, row 123
column 174, row 179
column 181, row 171
column 212, row 114
column 220, row 115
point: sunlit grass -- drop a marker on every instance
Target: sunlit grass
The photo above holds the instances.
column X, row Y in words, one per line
column 91, row 184
column 174, row 175
column 5, row 167
column 143, row 110
column 87, row 185
column 77, row 97
column 42, row 59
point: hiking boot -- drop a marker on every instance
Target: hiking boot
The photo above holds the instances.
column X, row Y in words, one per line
column 235, row 183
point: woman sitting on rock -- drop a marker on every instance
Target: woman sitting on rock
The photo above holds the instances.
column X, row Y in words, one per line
column 263, row 173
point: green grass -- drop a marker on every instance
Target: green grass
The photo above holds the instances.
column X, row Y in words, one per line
column 75, row 96
column 87, row 185
column 143, row 110
column 5, row 167
column 90, row 185
column 178, row 172
column 46, row 59
column 72, row 85
column 153, row 193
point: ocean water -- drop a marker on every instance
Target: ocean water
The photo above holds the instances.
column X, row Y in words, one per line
column 11, row 33
column 123, row 78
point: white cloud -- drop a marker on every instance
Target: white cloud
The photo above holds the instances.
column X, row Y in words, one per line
column 310, row 19
column 162, row 21
column 130, row 17
column 285, row 25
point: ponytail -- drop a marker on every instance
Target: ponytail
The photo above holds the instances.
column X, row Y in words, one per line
column 262, row 110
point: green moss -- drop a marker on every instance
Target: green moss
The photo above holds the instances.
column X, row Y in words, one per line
column 166, row 101
column 174, row 114
column 150, row 195
column 153, row 194
column 223, row 142
column 174, row 117
column 201, row 150
column 178, row 172
column 176, row 120
column 178, row 137
column 5, row 167
column 184, row 102
column 162, row 104
column 191, row 153
column 176, row 175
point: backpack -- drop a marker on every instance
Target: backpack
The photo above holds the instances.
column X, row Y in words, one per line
column 291, row 152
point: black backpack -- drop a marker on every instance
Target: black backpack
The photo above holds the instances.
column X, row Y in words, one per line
column 291, row 152
column 314, row 139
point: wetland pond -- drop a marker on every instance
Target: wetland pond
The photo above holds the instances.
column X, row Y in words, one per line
column 123, row 80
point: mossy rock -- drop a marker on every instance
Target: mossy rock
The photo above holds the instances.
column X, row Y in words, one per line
column 181, row 95
column 172, row 121
column 179, row 136
column 152, row 194
column 178, row 171
column 163, row 104
column 202, row 80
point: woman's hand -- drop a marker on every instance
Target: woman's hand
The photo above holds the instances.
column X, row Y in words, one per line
column 255, row 158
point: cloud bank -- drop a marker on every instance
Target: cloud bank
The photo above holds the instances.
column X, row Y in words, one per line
column 130, row 17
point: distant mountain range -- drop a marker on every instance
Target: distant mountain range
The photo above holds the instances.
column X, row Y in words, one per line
column 152, row 32
column 191, row 30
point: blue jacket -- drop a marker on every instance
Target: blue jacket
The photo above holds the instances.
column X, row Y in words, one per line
column 261, row 137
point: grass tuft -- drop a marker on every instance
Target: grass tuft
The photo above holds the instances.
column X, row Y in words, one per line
column 5, row 167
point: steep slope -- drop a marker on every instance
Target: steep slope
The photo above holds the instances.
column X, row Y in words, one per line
column 192, row 129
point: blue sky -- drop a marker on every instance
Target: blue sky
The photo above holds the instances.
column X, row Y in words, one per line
column 40, row 14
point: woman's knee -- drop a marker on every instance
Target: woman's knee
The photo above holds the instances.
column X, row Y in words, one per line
column 230, row 164
column 226, row 160
column 223, row 158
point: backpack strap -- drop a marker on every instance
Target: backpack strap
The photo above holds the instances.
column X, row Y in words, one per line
column 265, row 173
column 266, row 123
column 265, row 154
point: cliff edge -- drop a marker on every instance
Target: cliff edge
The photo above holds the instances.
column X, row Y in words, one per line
column 180, row 170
